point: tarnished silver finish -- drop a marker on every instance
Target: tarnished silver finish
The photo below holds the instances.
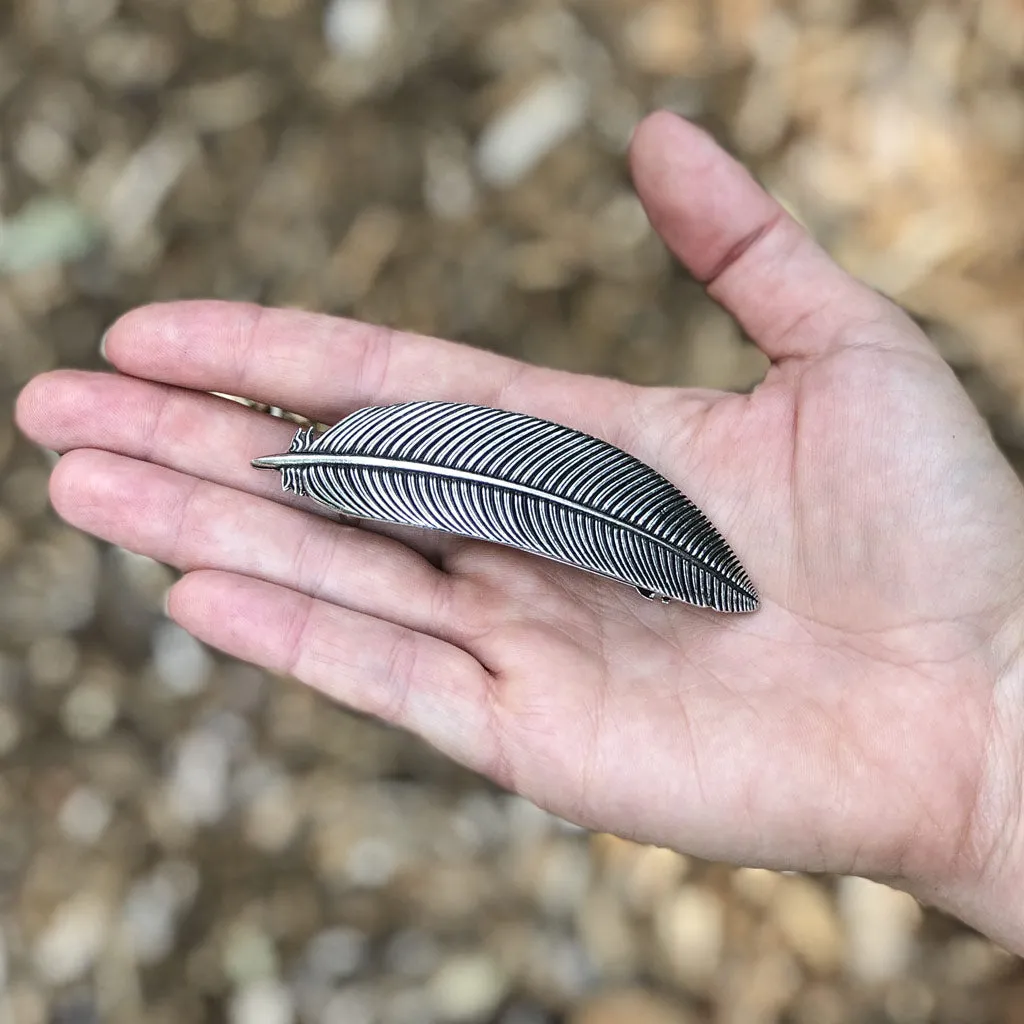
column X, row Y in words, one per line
column 523, row 482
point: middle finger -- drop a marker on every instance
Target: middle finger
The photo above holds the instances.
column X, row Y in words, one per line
column 194, row 524
column 195, row 433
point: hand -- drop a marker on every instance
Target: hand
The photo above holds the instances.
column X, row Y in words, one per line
column 866, row 720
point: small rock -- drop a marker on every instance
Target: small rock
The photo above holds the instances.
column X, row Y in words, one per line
column 227, row 104
column 10, row 730
column 181, row 662
column 880, row 925
column 630, row 1006
column 521, row 135
column 972, row 960
column 10, row 676
column 405, row 1007
column 527, row 823
column 133, row 201
column 198, row 784
column 449, row 192
column 910, row 1001
column 353, row 1005
column 181, row 878
column 479, row 822
column 559, row 969
column 44, row 232
column 43, row 151
column 148, row 920
column 85, row 814
column 609, row 940
column 372, row 862
column 250, row 955
column 820, row 1004
column 336, row 953
column 25, row 491
column 364, row 251
column 129, row 58
column 560, row 876
column 690, row 929
column 467, row 988
column 76, row 1008
column 622, row 224
column 152, row 907
column 756, row 885
column 73, row 576
column 146, row 577
column 262, row 1002
column 52, row 661
column 213, row 19
column 804, row 914
column 357, row 28
column 86, row 16
column 524, row 1014
column 10, row 535
column 26, row 1004
column 276, row 10
column 668, row 38
column 653, row 874
column 90, row 709
column 72, row 940
column 412, row 953
column 761, row 987
column 273, row 814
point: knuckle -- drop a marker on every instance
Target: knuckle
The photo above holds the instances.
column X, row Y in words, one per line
column 251, row 325
column 311, row 564
column 465, row 606
column 373, row 358
column 298, row 631
column 400, row 668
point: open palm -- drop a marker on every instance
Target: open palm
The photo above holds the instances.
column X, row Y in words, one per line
column 853, row 723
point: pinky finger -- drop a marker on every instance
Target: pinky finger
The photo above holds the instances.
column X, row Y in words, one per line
column 408, row 679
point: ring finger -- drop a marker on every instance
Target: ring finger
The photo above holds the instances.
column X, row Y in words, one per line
column 130, row 503
column 188, row 431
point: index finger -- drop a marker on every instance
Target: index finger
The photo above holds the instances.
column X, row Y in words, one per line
column 323, row 366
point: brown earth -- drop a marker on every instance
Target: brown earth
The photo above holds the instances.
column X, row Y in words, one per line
column 184, row 839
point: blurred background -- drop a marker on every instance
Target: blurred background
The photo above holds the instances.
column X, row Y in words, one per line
column 184, row 839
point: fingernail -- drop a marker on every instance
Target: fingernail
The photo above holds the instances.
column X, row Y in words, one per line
column 103, row 346
column 165, row 603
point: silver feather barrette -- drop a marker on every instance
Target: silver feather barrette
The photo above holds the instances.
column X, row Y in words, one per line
column 522, row 482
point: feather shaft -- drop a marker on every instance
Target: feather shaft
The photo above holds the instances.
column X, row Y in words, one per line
column 522, row 482
column 398, row 466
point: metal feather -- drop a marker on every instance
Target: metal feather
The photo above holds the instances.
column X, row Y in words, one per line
column 522, row 482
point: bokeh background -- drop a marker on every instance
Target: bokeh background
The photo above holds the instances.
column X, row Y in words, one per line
column 184, row 839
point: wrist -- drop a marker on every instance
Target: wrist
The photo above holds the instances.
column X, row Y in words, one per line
column 982, row 884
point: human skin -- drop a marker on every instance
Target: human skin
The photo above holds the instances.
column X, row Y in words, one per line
column 866, row 720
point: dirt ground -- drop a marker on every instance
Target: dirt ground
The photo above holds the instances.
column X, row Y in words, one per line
column 185, row 839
